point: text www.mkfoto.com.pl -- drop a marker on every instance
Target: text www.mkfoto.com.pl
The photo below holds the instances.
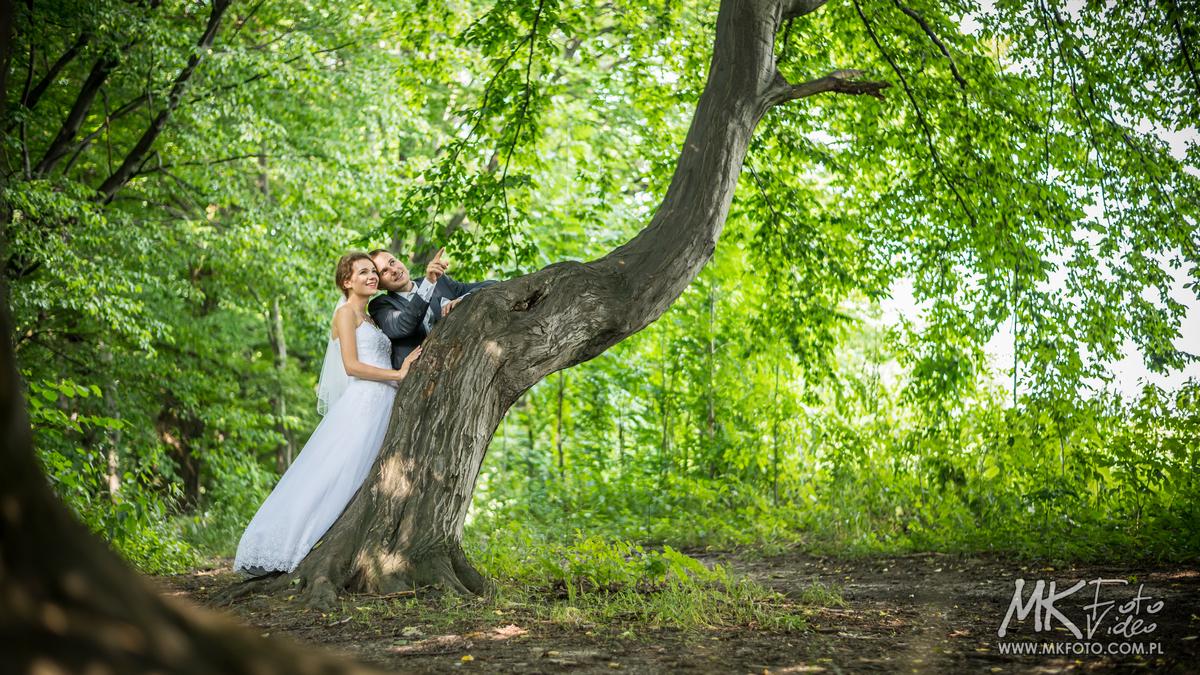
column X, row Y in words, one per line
column 1081, row 648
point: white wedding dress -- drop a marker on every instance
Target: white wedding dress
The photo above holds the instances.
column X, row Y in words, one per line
column 328, row 471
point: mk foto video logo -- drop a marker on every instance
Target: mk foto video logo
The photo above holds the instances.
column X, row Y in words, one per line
column 1110, row 626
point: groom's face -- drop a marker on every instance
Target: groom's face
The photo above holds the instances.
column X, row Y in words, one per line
column 393, row 275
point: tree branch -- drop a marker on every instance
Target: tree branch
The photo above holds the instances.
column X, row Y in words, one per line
column 258, row 76
column 839, row 81
column 1183, row 47
column 928, row 131
column 140, row 150
column 43, row 84
column 246, row 19
column 521, row 115
column 794, row 8
column 61, row 145
column 916, row 16
column 125, row 109
column 487, row 92
column 162, row 168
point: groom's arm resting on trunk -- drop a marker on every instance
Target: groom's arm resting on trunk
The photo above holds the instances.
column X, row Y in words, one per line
column 398, row 318
column 459, row 291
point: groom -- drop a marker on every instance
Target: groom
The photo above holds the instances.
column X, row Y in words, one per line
column 408, row 310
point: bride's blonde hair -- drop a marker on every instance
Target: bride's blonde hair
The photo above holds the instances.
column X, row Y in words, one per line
column 345, row 268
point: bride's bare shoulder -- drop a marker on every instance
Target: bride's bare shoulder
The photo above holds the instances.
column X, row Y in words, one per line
column 343, row 318
column 343, row 311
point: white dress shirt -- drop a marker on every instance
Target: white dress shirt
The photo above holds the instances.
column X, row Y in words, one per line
column 424, row 290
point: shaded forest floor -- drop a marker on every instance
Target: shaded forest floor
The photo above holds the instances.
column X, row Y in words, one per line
column 918, row 613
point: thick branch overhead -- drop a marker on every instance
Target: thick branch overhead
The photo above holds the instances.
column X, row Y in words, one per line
column 795, row 8
column 839, row 81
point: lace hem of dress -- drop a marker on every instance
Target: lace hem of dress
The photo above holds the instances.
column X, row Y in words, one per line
column 268, row 563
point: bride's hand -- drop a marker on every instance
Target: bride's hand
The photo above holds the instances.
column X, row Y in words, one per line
column 408, row 361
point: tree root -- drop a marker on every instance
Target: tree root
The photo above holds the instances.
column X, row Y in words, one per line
column 319, row 585
column 468, row 575
column 245, row 588
column 320, row 594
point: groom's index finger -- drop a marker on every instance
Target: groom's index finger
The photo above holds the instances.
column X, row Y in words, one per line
column 437, row 257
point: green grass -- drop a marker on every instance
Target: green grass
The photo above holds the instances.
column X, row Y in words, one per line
column 618, row 583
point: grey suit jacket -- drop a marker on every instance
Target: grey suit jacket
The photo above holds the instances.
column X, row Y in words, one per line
column 402, row 319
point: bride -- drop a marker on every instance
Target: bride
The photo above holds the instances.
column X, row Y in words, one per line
column 355, row 395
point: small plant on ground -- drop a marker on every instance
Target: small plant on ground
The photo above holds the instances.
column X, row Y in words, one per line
column 598, row 581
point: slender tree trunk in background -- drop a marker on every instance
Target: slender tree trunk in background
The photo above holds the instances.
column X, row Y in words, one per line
column 278, row 340
column 664, row 445
column 621, row 438
column 113, row 451
column 775, row 442
column 113, row 469
column 279, row 344
column 711, row 427
column 504, row 446
column 404, row 528
column 531, row 437
column 801, row 454
column 558, row 433
column 684, row 450
column 1016, row 340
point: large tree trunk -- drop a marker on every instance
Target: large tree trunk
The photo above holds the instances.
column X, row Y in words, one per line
column 68, row 604
column 404, row 527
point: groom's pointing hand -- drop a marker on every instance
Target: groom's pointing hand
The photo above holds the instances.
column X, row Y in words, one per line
column 436, row 267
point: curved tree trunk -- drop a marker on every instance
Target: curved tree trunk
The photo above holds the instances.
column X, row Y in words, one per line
column 404, row 527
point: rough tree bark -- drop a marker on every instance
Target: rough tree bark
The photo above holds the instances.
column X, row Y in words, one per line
column 404, row 527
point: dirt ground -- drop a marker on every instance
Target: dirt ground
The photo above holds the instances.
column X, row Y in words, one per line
column 928, row 613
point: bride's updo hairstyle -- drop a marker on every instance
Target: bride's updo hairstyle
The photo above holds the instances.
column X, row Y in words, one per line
column 345, row 268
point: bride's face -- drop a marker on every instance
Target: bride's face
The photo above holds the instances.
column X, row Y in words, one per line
column 364, row 280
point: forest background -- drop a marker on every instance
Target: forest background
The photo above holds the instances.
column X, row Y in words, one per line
column 181, row 180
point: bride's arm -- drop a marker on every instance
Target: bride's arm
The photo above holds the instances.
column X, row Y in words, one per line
column 343, row 326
